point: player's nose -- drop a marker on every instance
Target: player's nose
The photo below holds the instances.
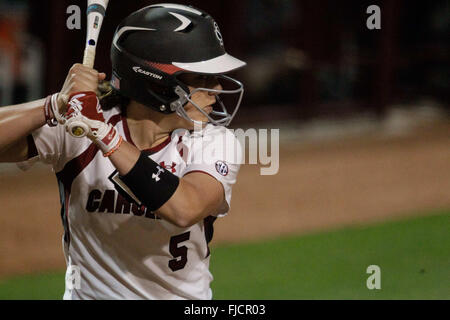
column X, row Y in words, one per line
column 216, row 86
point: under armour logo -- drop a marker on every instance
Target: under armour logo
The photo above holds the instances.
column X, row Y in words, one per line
column 169, row 167
column 156, row 175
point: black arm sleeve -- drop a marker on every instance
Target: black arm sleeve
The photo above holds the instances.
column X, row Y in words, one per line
column 147, row 183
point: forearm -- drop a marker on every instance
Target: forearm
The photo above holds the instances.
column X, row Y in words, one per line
column 18, row 121
column 185, row 207
column 125, row 158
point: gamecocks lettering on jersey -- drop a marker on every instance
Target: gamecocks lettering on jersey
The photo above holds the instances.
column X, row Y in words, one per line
column 122, row 205
column 110, row 201
column 93, row 201
column 182, row 148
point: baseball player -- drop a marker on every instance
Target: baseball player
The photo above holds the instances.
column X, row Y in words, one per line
column 137, row 201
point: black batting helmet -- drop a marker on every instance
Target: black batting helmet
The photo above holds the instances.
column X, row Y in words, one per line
column 154, row 45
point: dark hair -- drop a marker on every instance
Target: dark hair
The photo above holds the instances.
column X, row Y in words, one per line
column 110, row 98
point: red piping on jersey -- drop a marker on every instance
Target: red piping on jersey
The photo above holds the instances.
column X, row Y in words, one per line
column 66, row 211
column 208, row 224
column 159, row 146
column 73, row 168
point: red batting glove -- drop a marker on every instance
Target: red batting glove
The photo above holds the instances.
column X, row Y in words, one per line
column 84, row 117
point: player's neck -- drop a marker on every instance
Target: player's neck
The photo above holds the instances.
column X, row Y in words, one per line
column 148, row 128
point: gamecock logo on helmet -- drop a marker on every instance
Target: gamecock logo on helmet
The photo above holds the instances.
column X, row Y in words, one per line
column 218, row 34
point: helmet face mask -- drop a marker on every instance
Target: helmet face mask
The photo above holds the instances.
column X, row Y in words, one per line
column 216, row 117
column 155, row 45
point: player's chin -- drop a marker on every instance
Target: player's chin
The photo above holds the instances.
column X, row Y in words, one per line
column 208, row 109
column 200, row 116
column 203, row 117
column 197, row 116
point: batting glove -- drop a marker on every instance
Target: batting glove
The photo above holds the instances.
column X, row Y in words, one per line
column 84, row 117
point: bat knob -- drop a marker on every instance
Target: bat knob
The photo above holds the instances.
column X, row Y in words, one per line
column 78, row 129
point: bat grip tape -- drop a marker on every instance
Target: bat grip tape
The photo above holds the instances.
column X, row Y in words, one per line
column 96, row 8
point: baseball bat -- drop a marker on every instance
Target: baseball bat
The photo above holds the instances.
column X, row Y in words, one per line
column 96, row 10
column 95, row 13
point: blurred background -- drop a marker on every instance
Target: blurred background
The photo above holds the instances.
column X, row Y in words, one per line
column 364, row 141
column 305, row 59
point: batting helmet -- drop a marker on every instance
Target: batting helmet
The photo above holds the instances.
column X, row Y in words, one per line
column 153, row 46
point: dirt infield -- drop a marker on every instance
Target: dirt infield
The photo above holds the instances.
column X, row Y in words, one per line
column 319, row 186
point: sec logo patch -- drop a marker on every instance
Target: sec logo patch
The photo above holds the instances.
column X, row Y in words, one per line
column 222, row 168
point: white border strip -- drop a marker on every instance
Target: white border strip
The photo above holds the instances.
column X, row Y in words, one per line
column 176, row 6
column 221, row 64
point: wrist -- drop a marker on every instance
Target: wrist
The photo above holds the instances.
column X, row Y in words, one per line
column 52, row 110
column 109, row 142
column 61, row 103
column 48, row 112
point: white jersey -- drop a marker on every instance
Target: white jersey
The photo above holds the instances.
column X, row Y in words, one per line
column 120, row 251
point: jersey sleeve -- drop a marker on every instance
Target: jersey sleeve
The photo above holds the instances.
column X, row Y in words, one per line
column 217, row 152
column 48, row 141
column 52, row 147
column 56, row 147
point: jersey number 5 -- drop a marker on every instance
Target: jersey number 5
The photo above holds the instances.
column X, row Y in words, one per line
column 179, row 253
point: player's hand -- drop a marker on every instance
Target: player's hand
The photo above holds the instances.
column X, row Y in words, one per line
column 80, row 78
column 84, row 117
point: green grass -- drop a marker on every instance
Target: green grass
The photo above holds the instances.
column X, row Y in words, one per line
column 48, row 286
column 414, row 257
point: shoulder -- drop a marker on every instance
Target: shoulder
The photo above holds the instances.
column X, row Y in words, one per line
column 218, row 142
column 215, row 134
column 211, row 129
column 222, row 136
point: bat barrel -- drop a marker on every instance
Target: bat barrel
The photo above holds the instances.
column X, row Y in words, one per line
column 95, row 13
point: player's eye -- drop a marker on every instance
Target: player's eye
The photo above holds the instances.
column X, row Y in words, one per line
column 202, row 79
column 198, row 80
